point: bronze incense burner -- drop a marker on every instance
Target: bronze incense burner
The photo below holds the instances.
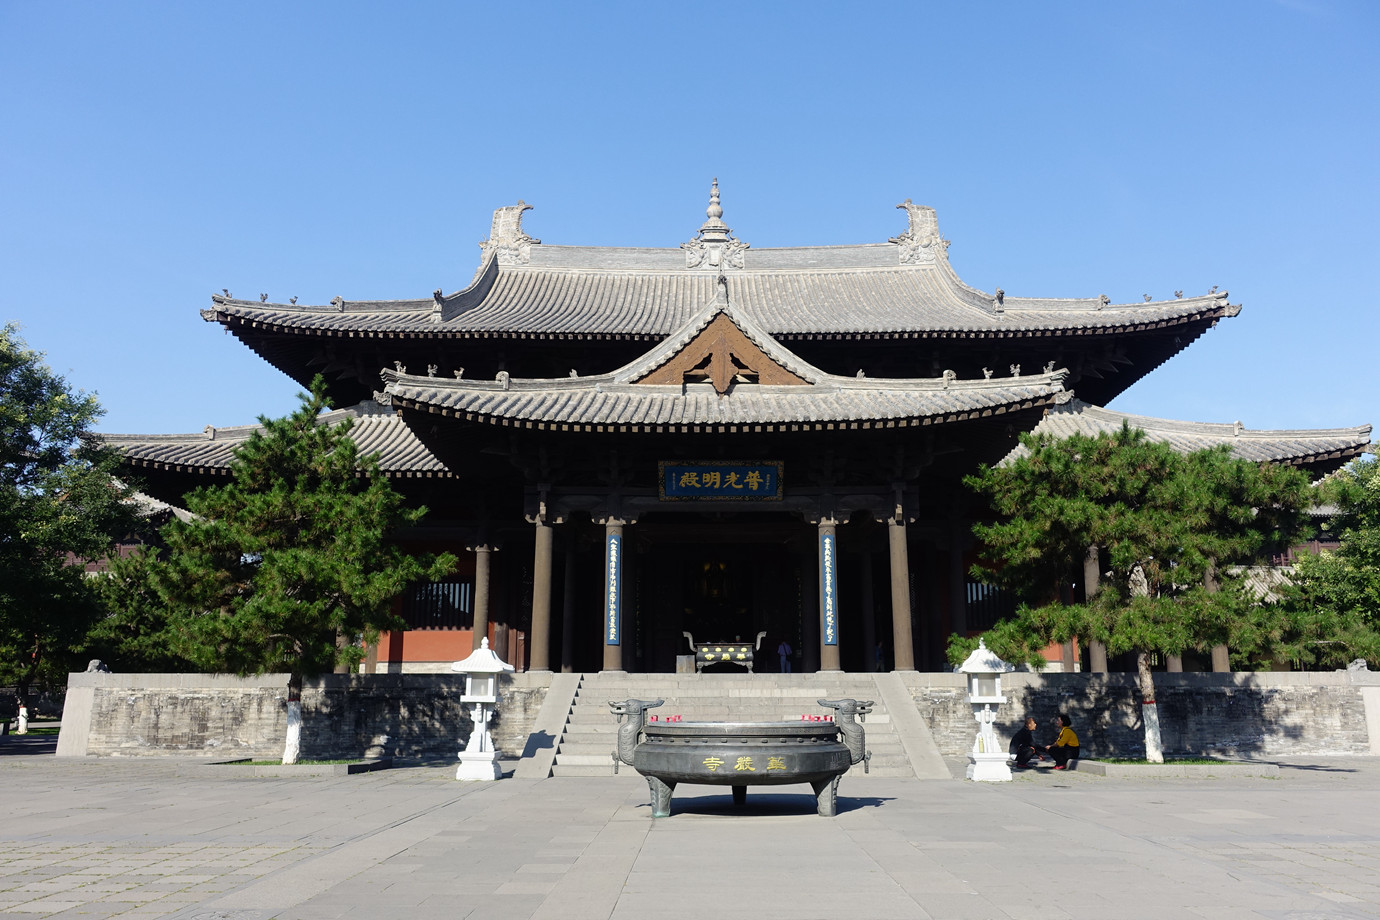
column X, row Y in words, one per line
column 741, row 754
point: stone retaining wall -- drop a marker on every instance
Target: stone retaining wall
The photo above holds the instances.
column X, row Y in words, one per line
column 419, row 716
column 1244, row 714
column 410, row 716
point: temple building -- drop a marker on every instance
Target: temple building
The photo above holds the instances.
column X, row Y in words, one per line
column 625, row 445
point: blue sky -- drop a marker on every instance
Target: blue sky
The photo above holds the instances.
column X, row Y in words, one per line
column 154, row 153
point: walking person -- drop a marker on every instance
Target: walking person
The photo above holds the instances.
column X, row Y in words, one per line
column 783, row 652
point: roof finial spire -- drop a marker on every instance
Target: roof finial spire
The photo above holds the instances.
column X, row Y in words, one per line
column 714, row 229
column 714, row 246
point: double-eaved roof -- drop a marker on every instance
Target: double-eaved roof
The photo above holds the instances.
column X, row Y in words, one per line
column 762, row 387
column 721, row 324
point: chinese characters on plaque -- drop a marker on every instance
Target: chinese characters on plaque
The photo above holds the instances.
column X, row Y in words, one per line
column 719, row 480
column 828, row 588
column 613, row 588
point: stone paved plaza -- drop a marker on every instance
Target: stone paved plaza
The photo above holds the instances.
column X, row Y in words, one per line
column 161, row 838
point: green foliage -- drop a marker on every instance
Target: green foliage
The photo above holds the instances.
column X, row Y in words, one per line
column 1340, row 591
column 286, row 566
column 57, row 495
column 136, row 632
column 1004, row 640
column 1167, row 524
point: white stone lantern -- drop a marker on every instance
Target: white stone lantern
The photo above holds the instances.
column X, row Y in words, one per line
column 987, row 761
column 479, row 760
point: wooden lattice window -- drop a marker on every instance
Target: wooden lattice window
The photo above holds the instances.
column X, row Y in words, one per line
column 986, row 606
column 440, row 605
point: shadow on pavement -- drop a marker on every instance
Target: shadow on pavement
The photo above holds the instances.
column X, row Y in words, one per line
column 1315, row 768
column 19, row 745
column 765, row 804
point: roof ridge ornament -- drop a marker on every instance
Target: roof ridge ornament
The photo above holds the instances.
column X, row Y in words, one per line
column 721, row 292
column 921, row 243
column 506, row 237
column 714, row 246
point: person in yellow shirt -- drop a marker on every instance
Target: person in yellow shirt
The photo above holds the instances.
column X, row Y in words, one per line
column 1065, row 747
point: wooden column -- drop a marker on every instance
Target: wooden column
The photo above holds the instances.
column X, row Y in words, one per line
column 1174, row 664
column 612, row 619
column 539, row 642
column 902, row 641
column 482, row 559
column 1092, row 583
column 869, row 611
column 828, row 595
column 958, row 583
column 568, row 609
column 1221, row 656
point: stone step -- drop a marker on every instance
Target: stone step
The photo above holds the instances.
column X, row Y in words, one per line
column 589, row 736
column 559, row 769
column 583, row 721
column 605, row 768
column 588, row 759
column 875, row 741
column 893, row 765
column 809, row 700
column 702, row 688
column 721, row 686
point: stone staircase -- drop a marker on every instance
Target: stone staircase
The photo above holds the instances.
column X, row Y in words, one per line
column 586, row 744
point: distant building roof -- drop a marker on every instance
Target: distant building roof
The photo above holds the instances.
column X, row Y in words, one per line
column 1319, row 450
column 376, row 430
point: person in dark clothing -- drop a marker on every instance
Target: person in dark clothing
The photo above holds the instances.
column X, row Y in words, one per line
column 1065, row 747
column 1023, row 745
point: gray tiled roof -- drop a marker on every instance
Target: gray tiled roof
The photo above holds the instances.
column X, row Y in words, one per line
column 572, row 291
column 1266, row 583
column 376, row 430
column 1295, row 447
column 616, row 401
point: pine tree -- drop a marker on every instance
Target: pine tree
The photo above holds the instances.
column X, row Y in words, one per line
column 1342, row 587
column 288, row 565
column 1168, row 527
column 58, row 496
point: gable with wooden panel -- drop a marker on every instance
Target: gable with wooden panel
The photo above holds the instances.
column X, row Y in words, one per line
column 723, row 355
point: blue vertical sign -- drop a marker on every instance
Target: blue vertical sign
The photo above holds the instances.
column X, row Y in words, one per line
column 828, row 589
column 613, row 588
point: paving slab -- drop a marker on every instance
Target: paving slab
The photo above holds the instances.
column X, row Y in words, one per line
column 153, row 838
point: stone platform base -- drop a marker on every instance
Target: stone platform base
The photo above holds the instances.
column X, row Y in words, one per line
column 1224, row 770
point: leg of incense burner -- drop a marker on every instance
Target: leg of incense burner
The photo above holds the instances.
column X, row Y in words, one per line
column 740, row 796
column 661, row 797
column 826, row 795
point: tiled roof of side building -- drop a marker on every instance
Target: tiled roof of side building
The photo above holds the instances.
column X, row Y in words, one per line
column 903, row 288
column 376, row 430
column 1321, row 449
column 624, row 400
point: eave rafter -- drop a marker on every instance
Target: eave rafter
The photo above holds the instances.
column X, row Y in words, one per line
column 783, row 427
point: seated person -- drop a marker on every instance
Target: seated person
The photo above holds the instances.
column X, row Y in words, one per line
column 1023, row 744
column 1065, row 747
